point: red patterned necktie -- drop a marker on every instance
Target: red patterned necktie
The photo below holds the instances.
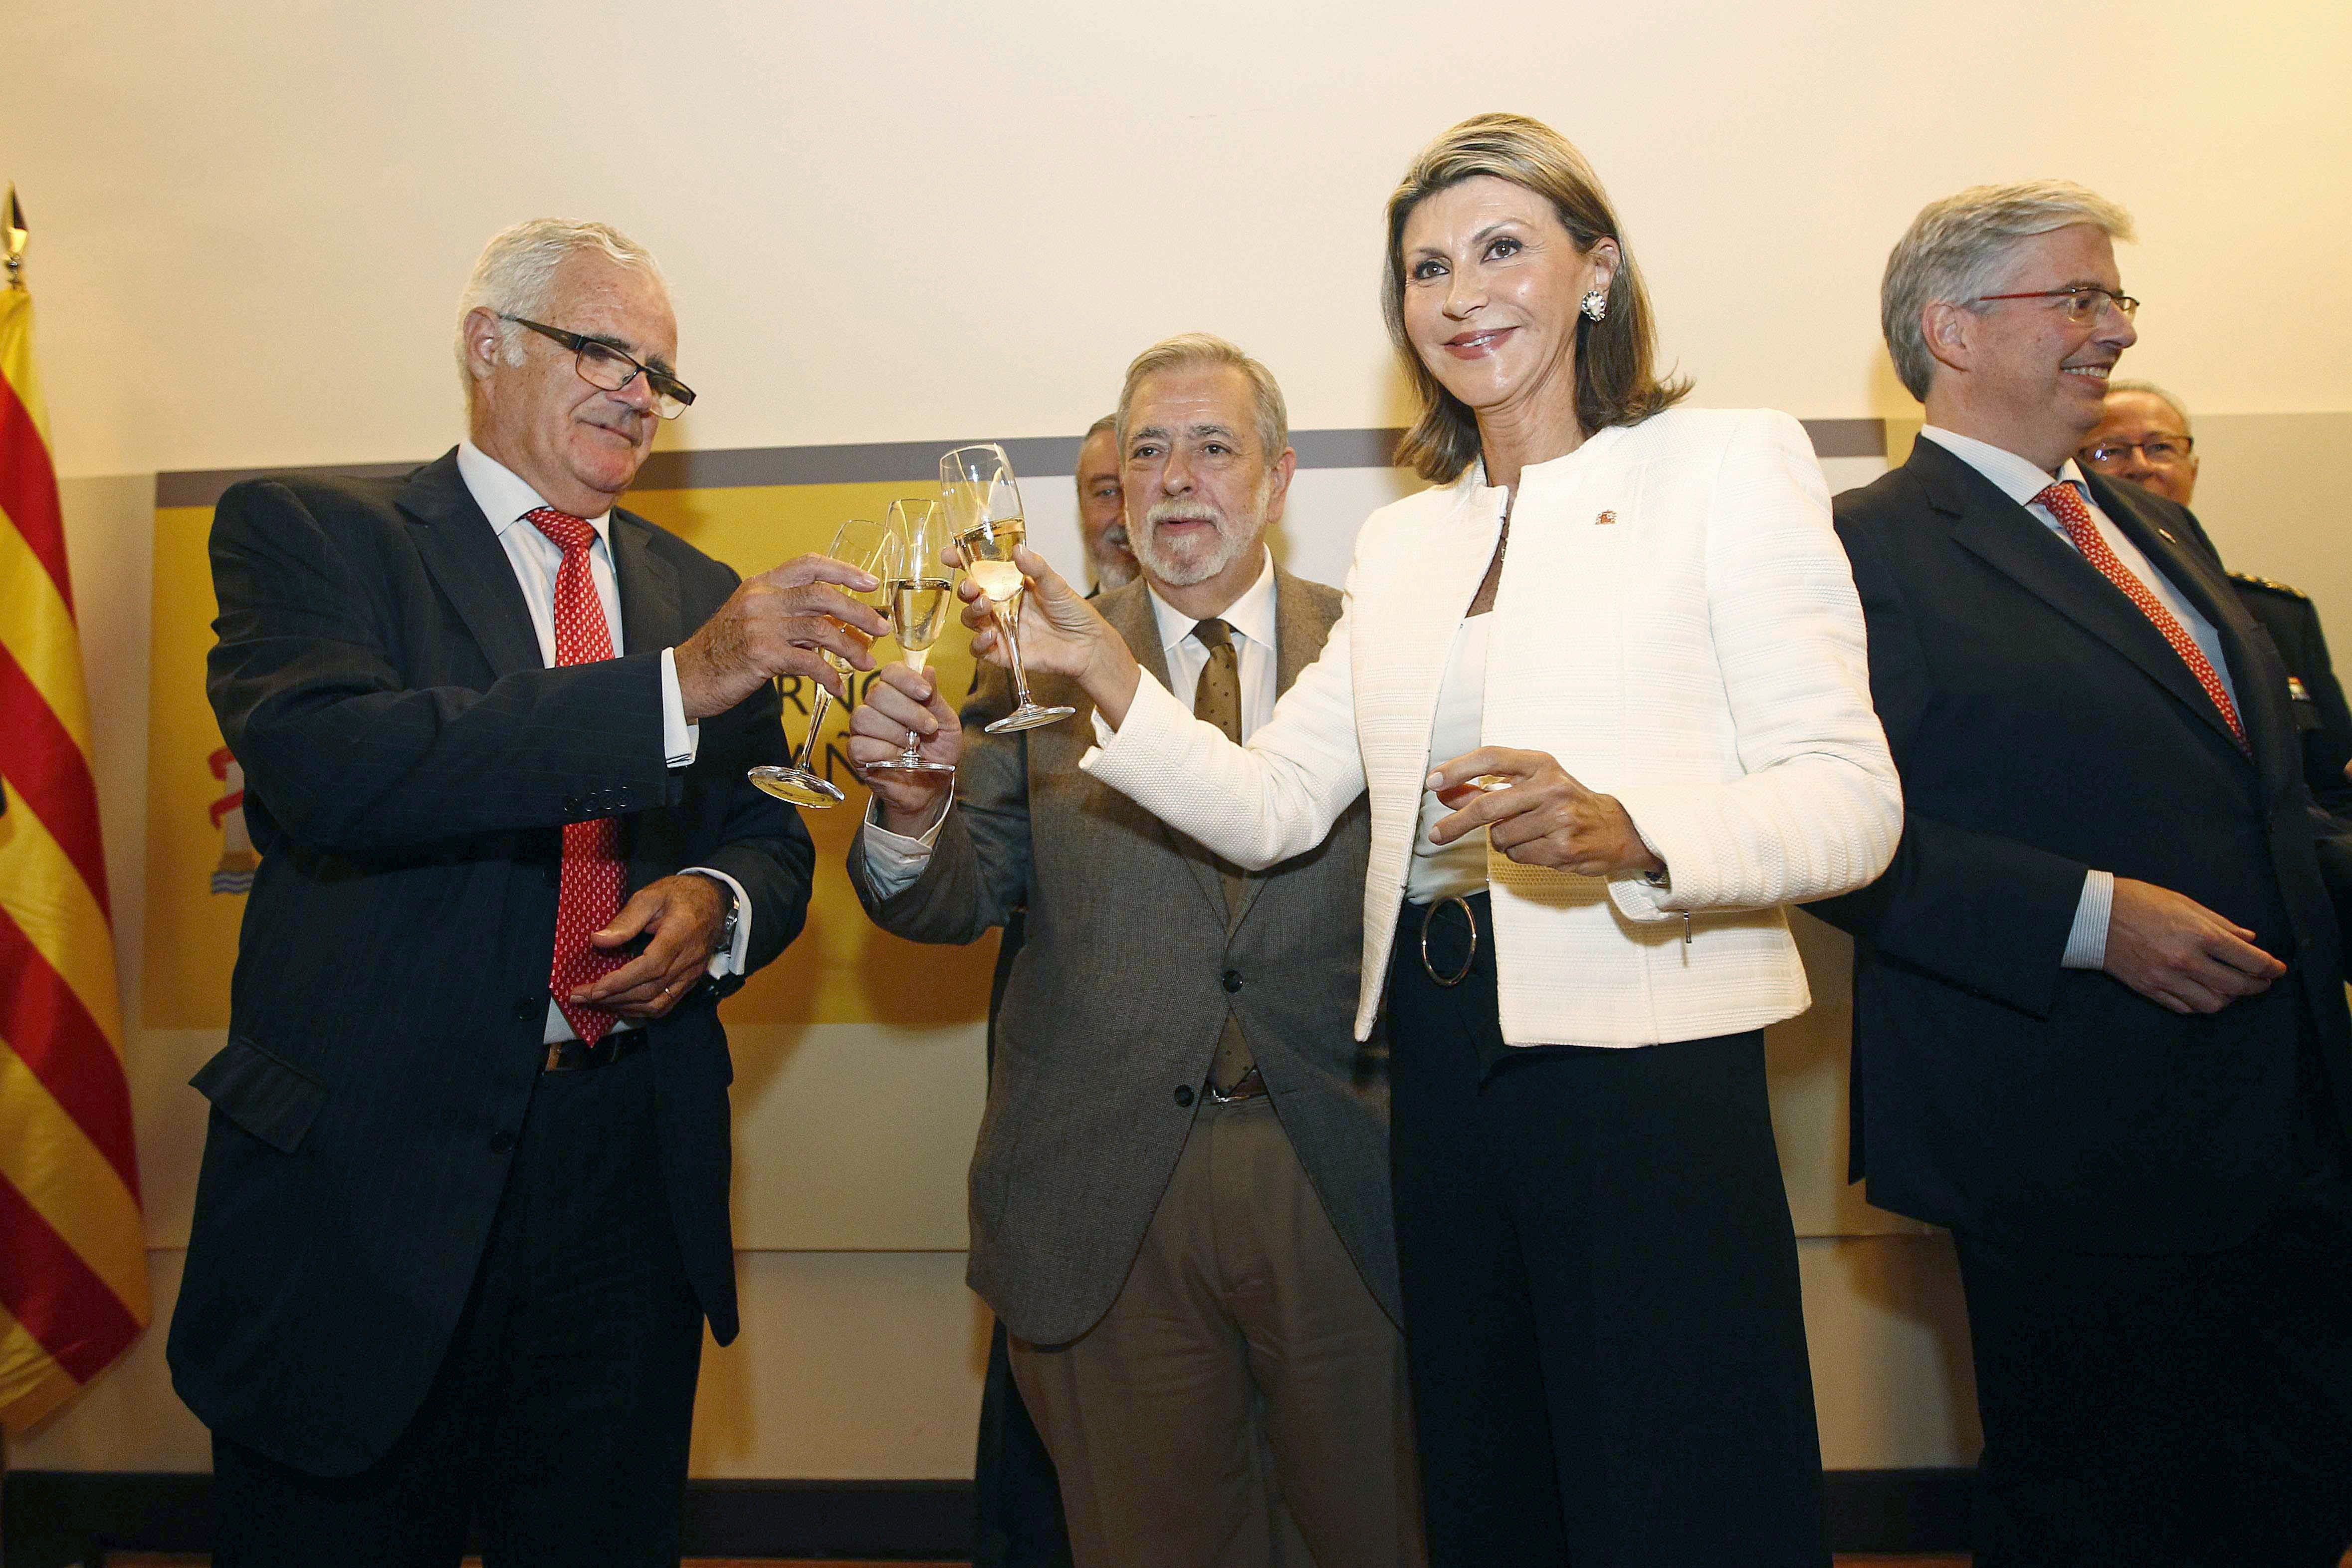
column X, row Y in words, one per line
column 591, row 894
column 2074, row 517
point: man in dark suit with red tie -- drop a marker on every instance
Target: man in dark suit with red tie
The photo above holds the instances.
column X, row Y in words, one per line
column 2100, row 1025
column 463, row 1209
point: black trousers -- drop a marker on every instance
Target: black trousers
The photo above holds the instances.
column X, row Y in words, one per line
column 559, row 1422
column 1602, row 1314
column 2168, row 1412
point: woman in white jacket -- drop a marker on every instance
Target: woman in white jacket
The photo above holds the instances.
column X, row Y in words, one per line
column 1606, row 688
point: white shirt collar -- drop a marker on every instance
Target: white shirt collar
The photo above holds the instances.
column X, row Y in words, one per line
column 2018, row 478
column 504, row 495
column 1251, row 616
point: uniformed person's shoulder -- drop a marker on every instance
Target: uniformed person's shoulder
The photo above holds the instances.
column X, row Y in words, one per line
column 2268, row 585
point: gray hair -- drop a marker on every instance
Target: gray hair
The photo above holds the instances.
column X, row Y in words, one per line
column 1203, row 348
column 516, row 276
column 1957, row 249
column 1107, row 422
column 2158, row 393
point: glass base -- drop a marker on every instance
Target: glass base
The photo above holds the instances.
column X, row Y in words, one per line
column 1028, row 716
column 906, row 764
column 793, row 785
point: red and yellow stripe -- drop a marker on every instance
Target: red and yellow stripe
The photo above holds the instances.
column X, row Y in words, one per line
column 73, row 1267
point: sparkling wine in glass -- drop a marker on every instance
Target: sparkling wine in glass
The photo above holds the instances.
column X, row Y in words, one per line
column 857, row 543
column 920, row 592
column 983, row 503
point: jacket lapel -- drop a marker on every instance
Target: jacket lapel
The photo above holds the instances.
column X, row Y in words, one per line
column 652, row 617
column 1298, row 634
column 2016, row 543
column 2189, row 565
column 1128, row 610
column 461, row 551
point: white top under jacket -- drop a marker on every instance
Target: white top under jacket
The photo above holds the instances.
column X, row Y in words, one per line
column 1677, row 625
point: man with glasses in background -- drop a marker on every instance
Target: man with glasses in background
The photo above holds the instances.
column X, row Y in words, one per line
column 2143, row 438
column 463, row 1209
column 2099, row 1017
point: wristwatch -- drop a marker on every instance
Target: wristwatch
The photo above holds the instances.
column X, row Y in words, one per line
column 1657, row 878
column 725, row 941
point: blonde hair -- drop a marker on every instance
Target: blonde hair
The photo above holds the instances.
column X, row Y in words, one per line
column 1616, row 383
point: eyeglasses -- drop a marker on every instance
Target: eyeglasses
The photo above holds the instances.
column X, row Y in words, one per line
column 2161, row 451
column 603, row 366
column 2085, row 303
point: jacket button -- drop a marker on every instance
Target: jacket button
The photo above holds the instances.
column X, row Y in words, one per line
column 1184, row 1095
column 527, row 1009
column 1233, row 980
column 502, row 1142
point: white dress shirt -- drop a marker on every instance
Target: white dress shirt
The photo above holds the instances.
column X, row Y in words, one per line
column 2021, row 479
column 894, row 860
column 505, row 497
column 1458, row 870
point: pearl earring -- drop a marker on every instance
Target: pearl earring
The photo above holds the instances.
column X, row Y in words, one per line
column 1596, row 303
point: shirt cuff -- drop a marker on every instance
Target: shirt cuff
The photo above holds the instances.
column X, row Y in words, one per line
column 895, row 862
column 735, row 957
column 680, row 739
column 2086, row 944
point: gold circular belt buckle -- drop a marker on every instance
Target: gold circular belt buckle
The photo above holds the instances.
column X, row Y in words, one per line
column 1430, row 915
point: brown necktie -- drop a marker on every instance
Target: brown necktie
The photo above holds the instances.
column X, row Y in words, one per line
column 1218, row 700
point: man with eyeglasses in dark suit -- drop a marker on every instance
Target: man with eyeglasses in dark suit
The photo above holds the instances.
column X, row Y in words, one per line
column 463, row 1210
column 2099, row 1018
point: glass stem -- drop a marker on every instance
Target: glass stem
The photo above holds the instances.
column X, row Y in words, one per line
column 819, row 706
column 1004, row 614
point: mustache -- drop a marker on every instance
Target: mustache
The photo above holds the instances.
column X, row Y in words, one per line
column 1183, row 511
column 1115, row 537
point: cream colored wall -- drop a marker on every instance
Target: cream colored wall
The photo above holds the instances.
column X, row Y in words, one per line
column 923, row 223
column 913, row 221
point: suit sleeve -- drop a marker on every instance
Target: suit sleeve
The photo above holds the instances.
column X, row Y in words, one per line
column 1982, row 911
column 763, row 843
column 345, row 757
column 2326, row 759
column 978, row 871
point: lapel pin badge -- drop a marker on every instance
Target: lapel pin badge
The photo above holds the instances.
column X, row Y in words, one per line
column 1605, row 519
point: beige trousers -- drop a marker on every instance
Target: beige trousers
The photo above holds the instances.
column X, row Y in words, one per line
column 1243, row 1403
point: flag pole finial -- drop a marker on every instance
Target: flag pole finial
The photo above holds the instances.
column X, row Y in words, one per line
column 13, row 238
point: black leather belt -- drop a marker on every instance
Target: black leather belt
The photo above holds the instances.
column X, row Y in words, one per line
column 578, row 1056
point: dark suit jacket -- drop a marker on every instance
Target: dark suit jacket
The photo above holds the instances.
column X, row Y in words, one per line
column 2321, row 716
column 1117, row 997
column 409, row 764
column 2043, row 728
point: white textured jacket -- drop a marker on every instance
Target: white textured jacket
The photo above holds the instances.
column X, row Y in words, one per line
column 1676, row 625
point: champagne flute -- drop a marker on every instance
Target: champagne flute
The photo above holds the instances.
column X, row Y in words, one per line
column 984, row 505
column 856, row 543
column 920, row 592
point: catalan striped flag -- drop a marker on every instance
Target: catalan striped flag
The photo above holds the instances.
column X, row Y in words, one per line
column 73, row 1265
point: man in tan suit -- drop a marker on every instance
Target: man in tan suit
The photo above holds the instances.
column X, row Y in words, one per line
column 1180, row 1201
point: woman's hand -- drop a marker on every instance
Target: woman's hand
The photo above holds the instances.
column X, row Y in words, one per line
column 899, row 701
column 1060, row 634
column 1537, row 815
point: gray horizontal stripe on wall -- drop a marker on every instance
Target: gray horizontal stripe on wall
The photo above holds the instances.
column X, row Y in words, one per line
column 884, row 462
